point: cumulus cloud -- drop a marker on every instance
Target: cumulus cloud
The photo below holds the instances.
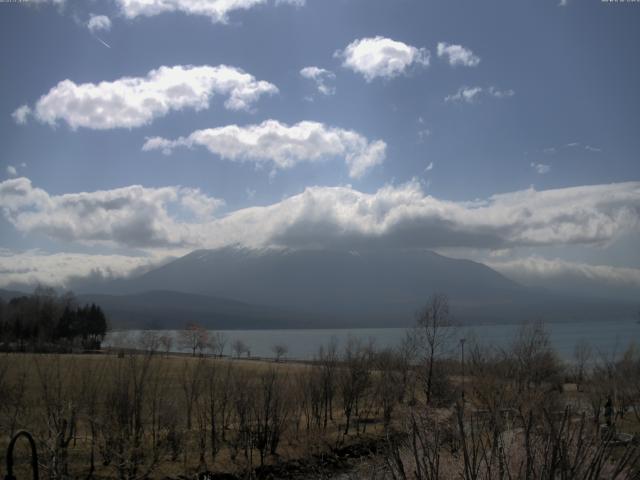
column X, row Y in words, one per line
column 282, row 146
column 321, row 77
column 202, row 206
column 381, row 57
column 98, row 23
column 135, row 101
column 216, row 10
column 541, row 168
column 131, row 216
column 331, row 217
column 35, row 267
column 457, row 55
column 21, row 114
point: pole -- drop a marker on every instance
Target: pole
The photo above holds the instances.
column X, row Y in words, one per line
column 462, row 340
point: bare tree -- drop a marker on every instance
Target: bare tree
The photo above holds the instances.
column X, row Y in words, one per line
column 239, row 347
column 532, row 356
column 191, row 380
column 582, row 355
column 193, row 338
column 270, row 412
column 354, row 379
column 279, row 350
column 434, row 331
column 149, row 341
column 166, row 342
column 13, row 390
column 218, row 343
column 124, row 420
column 328, row 359
column 91, row 382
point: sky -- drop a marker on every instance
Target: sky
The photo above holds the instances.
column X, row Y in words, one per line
column 507, row 132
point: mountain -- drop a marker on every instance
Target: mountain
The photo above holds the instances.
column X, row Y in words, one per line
column 173, row 310
column 236, row 288
column 7, row 295
column 319, row 288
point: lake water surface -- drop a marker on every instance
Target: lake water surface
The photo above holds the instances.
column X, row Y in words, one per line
column 607, row 338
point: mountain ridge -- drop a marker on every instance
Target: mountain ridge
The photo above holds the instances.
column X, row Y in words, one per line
column 363, row 288
column 242, row 288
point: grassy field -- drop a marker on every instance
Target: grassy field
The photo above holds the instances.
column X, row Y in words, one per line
column 142, row 413
column 147, row 415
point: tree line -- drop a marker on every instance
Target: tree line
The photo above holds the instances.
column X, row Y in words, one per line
column 47, row 321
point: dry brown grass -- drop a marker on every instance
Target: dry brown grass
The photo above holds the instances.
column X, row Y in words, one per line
column 41, row 390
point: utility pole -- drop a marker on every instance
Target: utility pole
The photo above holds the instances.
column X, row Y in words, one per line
column 462, row 340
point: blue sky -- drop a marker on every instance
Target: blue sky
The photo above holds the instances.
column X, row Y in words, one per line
column 464, row 101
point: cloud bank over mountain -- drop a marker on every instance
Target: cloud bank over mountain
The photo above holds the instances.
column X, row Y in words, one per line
column 401, row 216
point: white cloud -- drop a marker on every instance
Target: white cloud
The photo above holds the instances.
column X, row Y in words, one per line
column 135, row 101
column 99, row 23
column 578, row 145
column 321, row 77
column 330, row 217
column 423, row 134
column 12, row 170
column 202, row 206
column 282, row 146
column 35, row 267
column 541, row 168
column 21, row 114
column 563, row 3
column 131, row 216
column 472, row 94
column 536, row 270
column 464, row 94
column 381, row 57
column 572, row 145
column 457, row 55
column 429, row 167
column 216, row 10
column 494, row 92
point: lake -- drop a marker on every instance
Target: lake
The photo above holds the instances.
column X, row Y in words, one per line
column 608, row 338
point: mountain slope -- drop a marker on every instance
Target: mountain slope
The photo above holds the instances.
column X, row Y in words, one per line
column 338, row 288
column 7, row 295
column 235, row 288
column 173, row 310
